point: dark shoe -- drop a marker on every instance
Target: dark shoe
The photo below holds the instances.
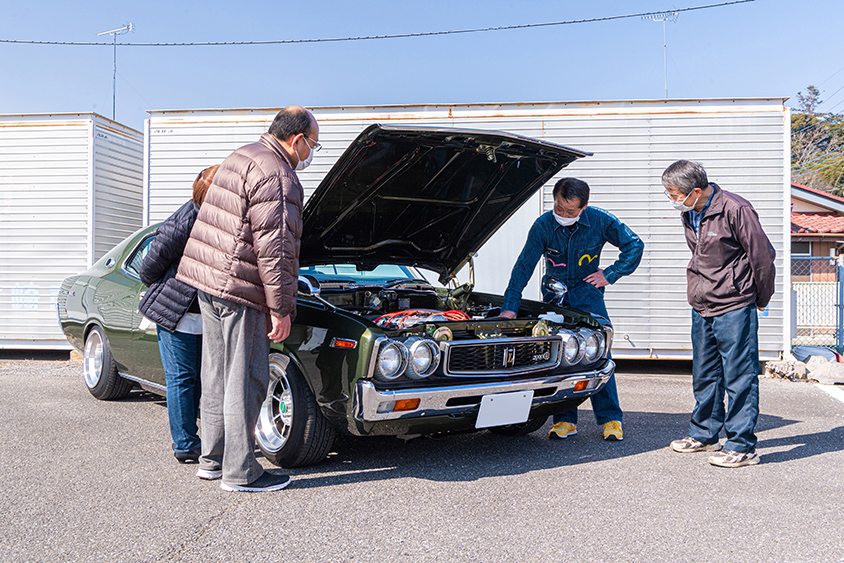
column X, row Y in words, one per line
column 730, row 458
column 187, row 457
column 266, row 482
column 209, row 474
column 689, row 445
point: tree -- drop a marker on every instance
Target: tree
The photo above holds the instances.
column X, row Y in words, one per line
column 817, row 145
column 810, row 101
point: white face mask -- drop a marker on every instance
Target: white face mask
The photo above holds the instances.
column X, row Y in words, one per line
column 566, row 221
column 302, row 164
column 681, row 205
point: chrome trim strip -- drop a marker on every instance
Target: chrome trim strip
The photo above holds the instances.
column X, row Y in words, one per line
column 433, row 400
column 146, row 382
column 376, row 347
column 608, row 330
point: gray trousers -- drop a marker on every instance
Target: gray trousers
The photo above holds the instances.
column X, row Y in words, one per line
column 235, row 377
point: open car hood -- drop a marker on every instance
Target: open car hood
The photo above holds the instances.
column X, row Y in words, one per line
column 425, row 197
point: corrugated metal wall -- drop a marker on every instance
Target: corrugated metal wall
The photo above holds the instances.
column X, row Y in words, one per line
column 118, row 180
column 46, row 224
column 742, row 144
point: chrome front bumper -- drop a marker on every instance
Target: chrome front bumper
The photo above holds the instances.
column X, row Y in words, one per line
column 372, row 405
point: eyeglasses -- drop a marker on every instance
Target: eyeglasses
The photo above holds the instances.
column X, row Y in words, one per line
column 668, row 195
column 317, row 146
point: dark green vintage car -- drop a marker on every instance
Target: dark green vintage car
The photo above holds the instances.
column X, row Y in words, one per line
column 376, row 349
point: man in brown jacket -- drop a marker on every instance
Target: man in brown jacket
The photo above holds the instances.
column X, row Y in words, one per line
column 730, row 275
column 243, row 257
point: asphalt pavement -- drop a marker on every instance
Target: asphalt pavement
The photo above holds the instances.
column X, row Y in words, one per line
column 89, row 481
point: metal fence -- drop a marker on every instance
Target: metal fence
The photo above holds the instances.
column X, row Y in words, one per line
column 817, row 293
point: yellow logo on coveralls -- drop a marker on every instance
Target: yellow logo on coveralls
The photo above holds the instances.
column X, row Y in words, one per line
column 586, row 257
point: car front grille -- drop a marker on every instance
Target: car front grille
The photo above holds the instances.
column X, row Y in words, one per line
column 488, row 358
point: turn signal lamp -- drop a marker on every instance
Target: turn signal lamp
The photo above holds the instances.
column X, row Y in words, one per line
column 343, row 343
column 581, row 385
column 406, row 405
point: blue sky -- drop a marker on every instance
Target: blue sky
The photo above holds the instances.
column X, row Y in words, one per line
column 764, row 48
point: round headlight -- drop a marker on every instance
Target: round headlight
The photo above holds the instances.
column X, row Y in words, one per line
column 424, row 358
column 392, row 361
column 591, row 347
column 572, row 348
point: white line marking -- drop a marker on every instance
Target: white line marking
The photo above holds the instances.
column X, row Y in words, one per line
column 832, row 390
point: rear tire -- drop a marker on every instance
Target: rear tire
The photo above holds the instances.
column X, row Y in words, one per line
column 99, row 369
column 291, row 430
column 523, row 429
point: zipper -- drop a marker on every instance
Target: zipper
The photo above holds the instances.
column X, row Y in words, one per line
column 695, row 258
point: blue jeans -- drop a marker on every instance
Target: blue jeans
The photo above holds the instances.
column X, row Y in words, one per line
column 605, row 405
column 726, row 358
column 181, row 355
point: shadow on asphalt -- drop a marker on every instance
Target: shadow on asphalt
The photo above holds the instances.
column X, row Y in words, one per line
column 806, row 445
column 469, row 457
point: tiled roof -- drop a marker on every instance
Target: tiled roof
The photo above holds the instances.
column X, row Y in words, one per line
column 827, row 222
column 818, row 192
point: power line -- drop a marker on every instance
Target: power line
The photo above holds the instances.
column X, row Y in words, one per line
column 814, row 161
column 838, row 161
column 370, row 37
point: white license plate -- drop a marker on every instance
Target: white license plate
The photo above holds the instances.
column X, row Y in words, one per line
column 504, row 408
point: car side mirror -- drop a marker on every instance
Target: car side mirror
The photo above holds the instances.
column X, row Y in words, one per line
column 555, row 286
column 309, row 285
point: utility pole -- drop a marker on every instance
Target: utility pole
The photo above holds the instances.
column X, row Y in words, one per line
column 664, row 17
column 114, row 33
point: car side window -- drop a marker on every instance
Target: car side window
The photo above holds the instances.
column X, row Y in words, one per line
column 133, row 264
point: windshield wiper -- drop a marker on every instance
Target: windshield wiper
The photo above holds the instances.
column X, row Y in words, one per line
column 403, row 281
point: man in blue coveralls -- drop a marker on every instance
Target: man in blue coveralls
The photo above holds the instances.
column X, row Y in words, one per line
column 571, row 238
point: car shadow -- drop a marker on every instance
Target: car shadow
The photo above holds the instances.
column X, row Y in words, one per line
column 469, row 457
column 143, row 396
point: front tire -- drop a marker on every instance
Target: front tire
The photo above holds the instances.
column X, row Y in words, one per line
column 291, row 430
column 99, row 369
column 523, row 429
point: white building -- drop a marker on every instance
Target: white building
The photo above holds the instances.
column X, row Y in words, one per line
column 743, row 143
column 70, row 189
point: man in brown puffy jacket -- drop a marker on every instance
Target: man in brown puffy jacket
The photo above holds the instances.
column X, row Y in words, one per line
column 243, row 257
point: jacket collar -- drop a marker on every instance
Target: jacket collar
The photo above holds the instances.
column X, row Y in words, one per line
column 269, row 141
column 716, row 204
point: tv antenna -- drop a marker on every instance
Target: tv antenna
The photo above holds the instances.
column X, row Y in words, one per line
column 114, row 33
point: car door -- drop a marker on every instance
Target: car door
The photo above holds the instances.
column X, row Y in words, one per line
column 144, row 360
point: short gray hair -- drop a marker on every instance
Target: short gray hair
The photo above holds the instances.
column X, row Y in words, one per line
column 685, row 176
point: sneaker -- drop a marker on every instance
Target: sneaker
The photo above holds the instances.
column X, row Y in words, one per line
column 689, row 445
column 187, row 457
column 613, row 431
column 266, row 482
column 730, row 458
column 562, row 430
column 209, row 474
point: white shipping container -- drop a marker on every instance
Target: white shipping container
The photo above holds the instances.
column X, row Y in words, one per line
column 70, row 189
column 743, row 143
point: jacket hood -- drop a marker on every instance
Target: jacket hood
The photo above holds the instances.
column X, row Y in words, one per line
column 425, row 197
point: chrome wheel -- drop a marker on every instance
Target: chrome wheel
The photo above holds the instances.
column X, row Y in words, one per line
column 276, row 418
column 92, row 359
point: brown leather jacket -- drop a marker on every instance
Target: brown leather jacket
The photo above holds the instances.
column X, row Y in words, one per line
column 732, row 263
column 244, row 246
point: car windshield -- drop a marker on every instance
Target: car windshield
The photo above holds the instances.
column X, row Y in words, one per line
column 381, row 274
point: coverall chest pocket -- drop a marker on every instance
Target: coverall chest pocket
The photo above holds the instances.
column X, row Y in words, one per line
column 555, row 261
column 588, row 260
